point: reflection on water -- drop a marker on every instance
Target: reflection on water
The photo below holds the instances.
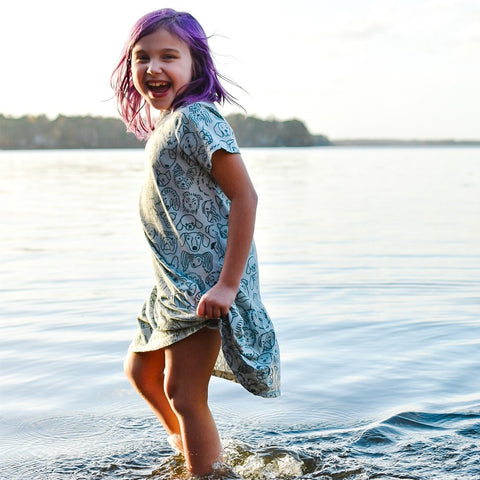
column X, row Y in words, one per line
column 370, row 268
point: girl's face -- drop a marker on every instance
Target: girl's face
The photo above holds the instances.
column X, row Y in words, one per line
column 161, row 66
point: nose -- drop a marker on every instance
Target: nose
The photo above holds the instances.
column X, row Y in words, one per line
column 154, row 66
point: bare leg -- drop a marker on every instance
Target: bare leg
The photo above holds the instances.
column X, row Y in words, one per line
column 146, row 373
column 189, row 365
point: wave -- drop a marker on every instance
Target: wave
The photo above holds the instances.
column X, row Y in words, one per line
column 408, row 445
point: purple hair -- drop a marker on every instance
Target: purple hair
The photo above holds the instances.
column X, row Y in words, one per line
column 204, row 86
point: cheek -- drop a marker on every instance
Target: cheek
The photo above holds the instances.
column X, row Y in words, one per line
column 191, row 68
column 137, row 75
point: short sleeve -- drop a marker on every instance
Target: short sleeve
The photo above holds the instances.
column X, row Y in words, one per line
column 201, row 131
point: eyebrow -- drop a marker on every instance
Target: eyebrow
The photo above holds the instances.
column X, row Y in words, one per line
column 163, row 50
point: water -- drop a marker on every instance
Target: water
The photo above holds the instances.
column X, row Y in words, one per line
column 370, row 268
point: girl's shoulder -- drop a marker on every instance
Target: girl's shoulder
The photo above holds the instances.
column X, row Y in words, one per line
column 201, row 114
column 201, row 125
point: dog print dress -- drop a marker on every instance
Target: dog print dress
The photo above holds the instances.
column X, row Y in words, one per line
column 185, row 220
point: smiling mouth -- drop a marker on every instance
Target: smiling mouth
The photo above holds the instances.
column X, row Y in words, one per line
column 158, row 87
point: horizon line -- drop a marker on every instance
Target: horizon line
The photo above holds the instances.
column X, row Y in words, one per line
column 344, row 140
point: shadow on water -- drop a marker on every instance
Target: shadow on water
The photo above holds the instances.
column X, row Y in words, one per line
column 409, row 445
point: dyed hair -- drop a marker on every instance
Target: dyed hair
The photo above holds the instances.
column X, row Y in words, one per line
column 204, row 86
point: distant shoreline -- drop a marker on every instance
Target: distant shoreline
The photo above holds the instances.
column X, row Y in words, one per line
column 403, row 143
column 87, row 132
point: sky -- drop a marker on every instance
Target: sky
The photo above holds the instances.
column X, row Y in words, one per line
column 404, row 69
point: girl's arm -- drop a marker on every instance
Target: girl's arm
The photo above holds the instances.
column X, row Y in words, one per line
column 231, row 175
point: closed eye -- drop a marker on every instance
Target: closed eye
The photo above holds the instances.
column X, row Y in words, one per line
column 141, row 57
column 169, row 56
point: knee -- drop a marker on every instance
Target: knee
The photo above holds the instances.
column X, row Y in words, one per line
column 137, row 372
column 130, row 369
column 183, row 406
column 183, row 401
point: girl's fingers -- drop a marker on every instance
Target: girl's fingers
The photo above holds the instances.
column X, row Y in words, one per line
column 216, row 302
column 201, row 308
column 207, row 309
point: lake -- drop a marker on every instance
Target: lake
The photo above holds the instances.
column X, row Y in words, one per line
column 370, row 270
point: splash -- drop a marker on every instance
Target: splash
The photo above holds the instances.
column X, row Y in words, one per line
column 266, row 464
column 241, row 462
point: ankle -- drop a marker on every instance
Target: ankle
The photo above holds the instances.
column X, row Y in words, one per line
column 175, row 441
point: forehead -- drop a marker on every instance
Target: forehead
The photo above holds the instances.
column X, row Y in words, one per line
column 161, row 39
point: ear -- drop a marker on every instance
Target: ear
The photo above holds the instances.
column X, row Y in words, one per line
column 208, row 261
column 184, row 259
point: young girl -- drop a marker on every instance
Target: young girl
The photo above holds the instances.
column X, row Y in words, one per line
column 204, row 314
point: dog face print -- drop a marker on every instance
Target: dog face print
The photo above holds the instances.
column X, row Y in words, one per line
column 163, row 177
column 189, row 143
column 199, row 115
column 249, row 336
column 267, row 340
column 204, row 260
column 210, row 211
column 167, row 158
column 168, row 242
column 229, row 144
column 189, row 223
column 183, row 180
column 191, row 202
column 206, row 184
column 171, row 199
column 259, row 318
column 198, row 281
column 212, row 278
column 221, row 129
column 265, row 359
column 207, row 137
column 193, row 291
column 195, row 241
column 251, row 266
column 221, row 206
column 243, row 297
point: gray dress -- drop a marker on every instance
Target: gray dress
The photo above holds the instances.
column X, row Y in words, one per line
column 185, row 219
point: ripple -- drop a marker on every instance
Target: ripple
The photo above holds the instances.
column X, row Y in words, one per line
column 328, row 444
column 65, row 427
column 425, row 420
column 422, row 445
column 408, row 445
column 380, row 435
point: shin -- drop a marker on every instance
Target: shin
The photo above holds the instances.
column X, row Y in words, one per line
column 189, row 364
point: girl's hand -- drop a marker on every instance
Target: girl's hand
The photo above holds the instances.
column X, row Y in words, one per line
column 216, row 302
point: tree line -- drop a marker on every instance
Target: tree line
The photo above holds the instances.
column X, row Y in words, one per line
column 65, row 132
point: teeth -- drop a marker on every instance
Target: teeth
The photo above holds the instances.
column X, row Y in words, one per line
column 158, row 84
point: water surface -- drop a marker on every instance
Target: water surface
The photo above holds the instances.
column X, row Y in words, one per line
column 370, row 269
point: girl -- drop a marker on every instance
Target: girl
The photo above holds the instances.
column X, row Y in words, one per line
column 204, row 314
